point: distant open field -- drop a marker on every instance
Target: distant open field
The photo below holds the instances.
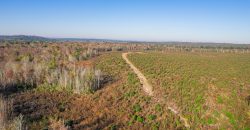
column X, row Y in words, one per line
column 91, row 86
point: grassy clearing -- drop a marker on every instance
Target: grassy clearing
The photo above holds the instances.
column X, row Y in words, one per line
column 209, row 88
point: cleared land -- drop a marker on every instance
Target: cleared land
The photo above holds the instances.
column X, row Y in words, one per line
column 210, row 89
column 91, row 86
column 148, row 88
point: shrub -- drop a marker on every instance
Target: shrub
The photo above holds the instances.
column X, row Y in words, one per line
column 151, row 117
column 18, row 123
column 140, row 119
column 136, row 118
column 113, row 127
column 5, row 111
column 158, row 108
column 6, row 122
column 69, row 123
column 137, row 108
column 57, row 125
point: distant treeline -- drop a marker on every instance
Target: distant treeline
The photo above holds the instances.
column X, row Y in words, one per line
column 23, row 39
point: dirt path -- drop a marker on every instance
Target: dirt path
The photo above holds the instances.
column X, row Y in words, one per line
column 149, row 89
column 146, row 86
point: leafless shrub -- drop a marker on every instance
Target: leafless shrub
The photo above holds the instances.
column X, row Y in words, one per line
column 57, row 125
column 88, row 79
column 53, row 65
column 78, row 79
column 6, row 107
column 17, row 123
column 81, row 79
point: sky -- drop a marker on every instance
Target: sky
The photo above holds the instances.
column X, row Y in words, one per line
column 142, row 20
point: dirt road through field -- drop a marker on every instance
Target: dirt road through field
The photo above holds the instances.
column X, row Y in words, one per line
column 149, row 89
column 146, row 86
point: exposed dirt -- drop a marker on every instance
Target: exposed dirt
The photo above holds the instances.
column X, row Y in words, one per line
column 146, row 86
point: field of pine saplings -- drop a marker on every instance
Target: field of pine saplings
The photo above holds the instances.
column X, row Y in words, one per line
column 210, row 89
column 76, row 86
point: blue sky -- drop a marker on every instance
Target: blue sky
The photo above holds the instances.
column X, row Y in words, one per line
column 152, row 20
